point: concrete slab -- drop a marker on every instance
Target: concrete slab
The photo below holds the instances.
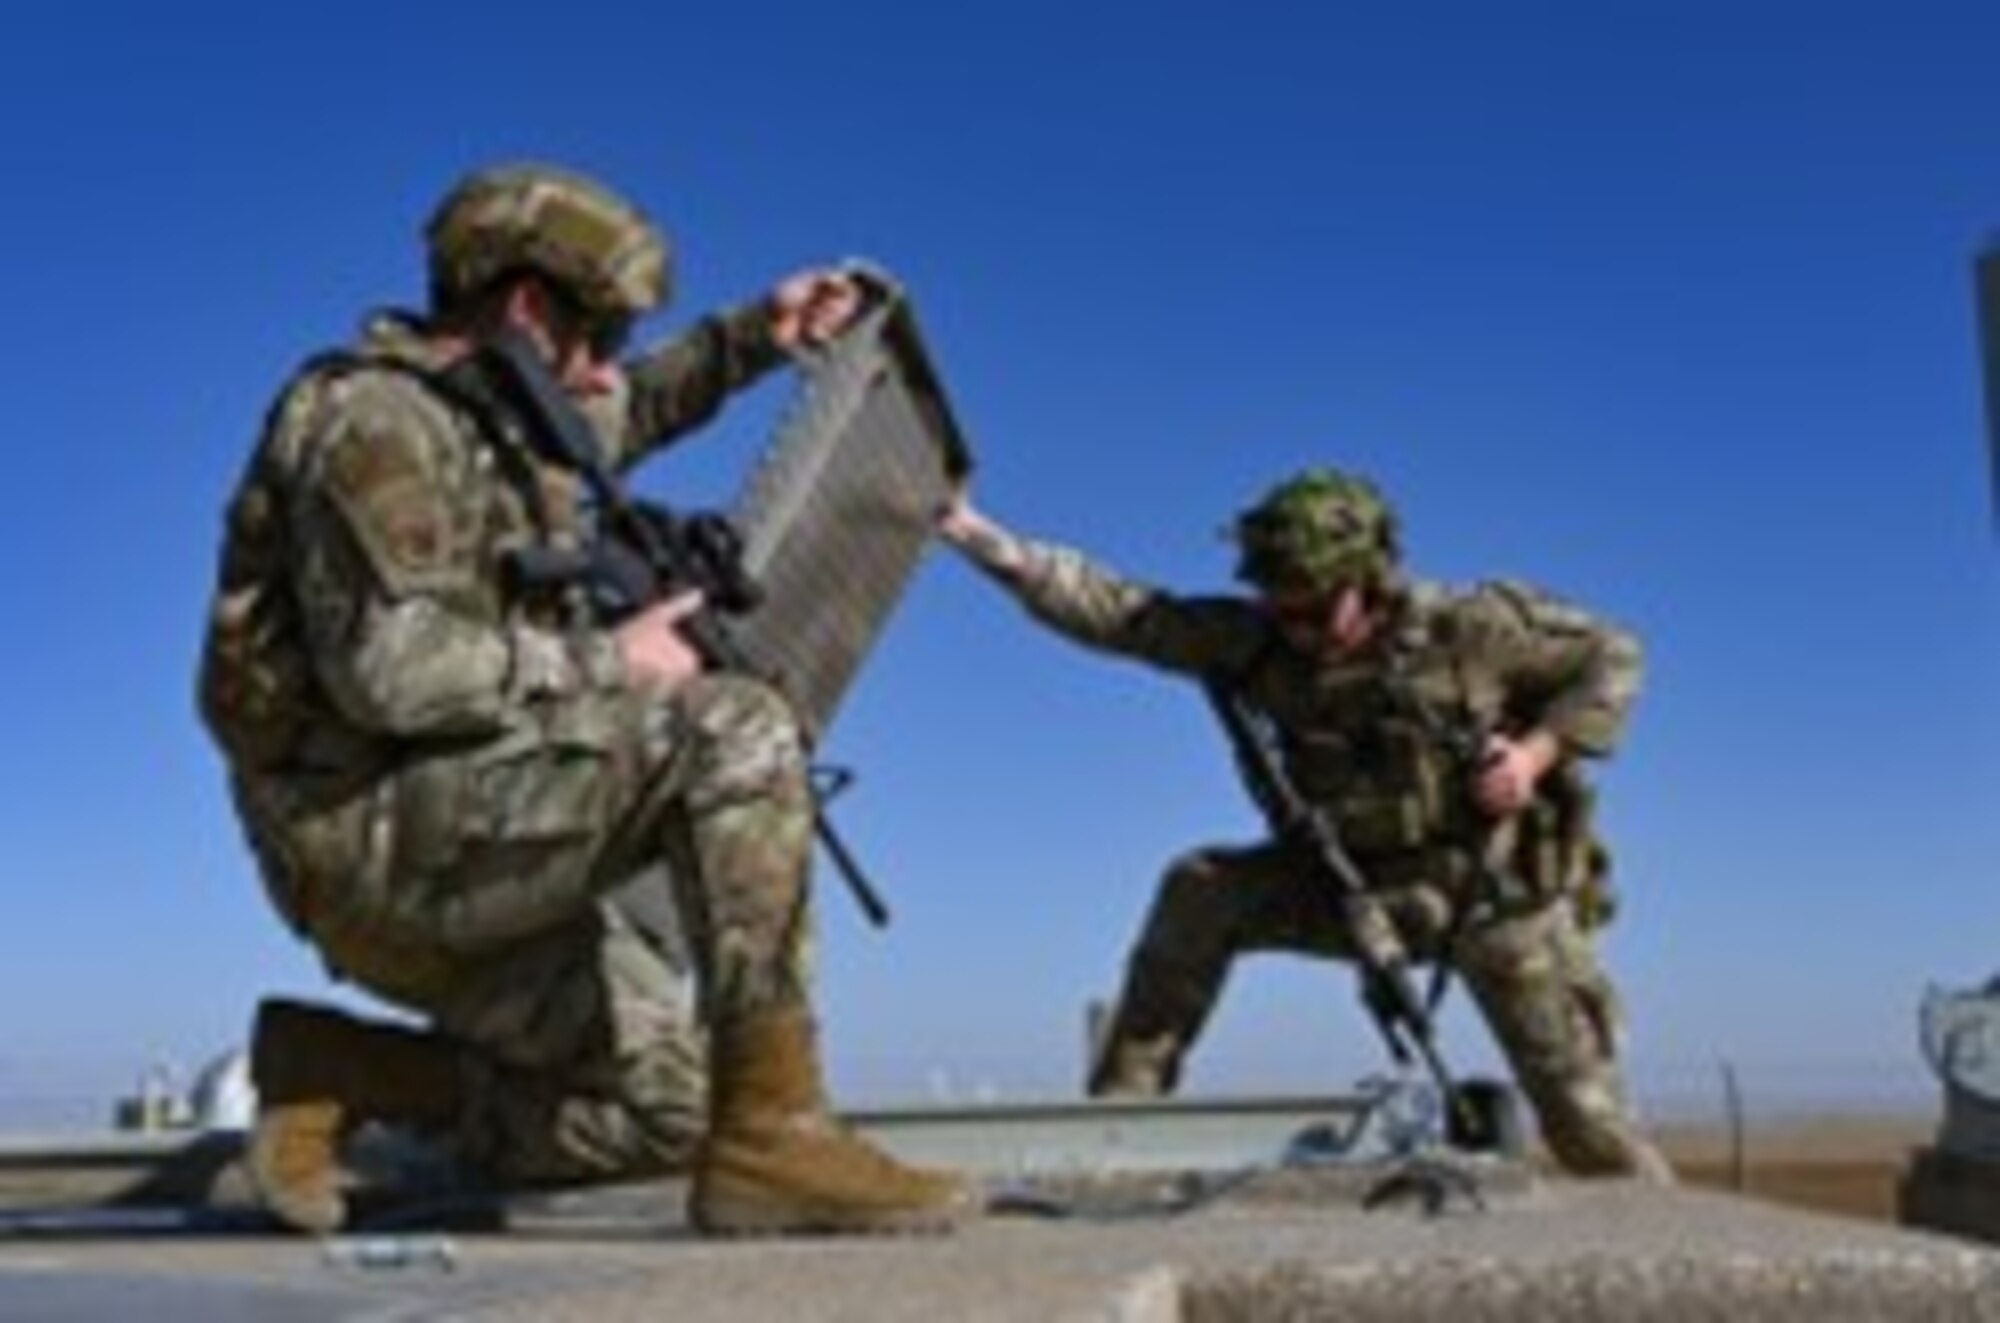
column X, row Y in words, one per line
column 1293, row 1245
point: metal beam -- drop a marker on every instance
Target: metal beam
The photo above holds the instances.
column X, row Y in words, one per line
column 187, row 1168
column 1210, row 1134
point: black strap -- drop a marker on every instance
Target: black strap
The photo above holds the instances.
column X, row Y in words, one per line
column 515, row 378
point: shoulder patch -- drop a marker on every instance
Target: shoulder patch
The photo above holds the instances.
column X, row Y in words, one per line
column 389, row 468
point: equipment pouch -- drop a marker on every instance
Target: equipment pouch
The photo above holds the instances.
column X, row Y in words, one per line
column 1595, row 899
column 1542, row 857
column 554, row 781
column 1579, row 863
column 1401, row 806
column 1373, row 824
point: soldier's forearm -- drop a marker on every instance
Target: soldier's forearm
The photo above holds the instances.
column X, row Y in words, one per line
column 997, row 551
column 682, row 383
column 1096, row 607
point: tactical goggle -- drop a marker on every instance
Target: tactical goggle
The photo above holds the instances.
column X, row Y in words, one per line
column 607, row 334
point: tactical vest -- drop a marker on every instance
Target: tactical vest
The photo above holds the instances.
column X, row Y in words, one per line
column 1393, row 786
column 1391, row 750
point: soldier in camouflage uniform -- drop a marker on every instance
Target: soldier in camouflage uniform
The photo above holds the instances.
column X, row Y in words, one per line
column 445, row 772
column 1484, row 857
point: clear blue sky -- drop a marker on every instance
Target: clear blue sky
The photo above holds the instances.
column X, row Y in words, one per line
column 1665, row 305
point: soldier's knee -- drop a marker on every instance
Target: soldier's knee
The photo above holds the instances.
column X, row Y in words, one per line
column 749, row 739
column 1190, row 885
column 727, row 706
column 1192, row 924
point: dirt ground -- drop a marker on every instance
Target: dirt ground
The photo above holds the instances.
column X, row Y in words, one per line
column 1847, row 1165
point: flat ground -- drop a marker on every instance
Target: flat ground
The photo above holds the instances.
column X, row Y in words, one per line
column 1849, row 1165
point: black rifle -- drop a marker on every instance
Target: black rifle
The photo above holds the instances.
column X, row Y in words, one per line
column 642, row 553
column 1387, row 989
column 1466, row 745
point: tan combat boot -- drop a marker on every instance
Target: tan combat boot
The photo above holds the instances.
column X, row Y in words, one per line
column 775, row 1161
column 319, row 1073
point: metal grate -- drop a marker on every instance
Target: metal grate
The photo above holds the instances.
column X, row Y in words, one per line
column 839, row 510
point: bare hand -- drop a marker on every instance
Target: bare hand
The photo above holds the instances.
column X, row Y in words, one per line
column 1512, row 769
column 812, row 307
column 958, row 521
column 962, row 525
column 655, row 652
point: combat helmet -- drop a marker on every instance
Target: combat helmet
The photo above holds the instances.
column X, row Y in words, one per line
column 597, row 246
column 1318, row 531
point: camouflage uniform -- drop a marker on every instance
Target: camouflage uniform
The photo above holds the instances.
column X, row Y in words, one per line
column 465, row 775
column 1498, row 657
column 457, row 786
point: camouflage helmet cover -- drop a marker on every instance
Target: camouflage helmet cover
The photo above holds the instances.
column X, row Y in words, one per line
column 570, row 228
column 1318, row 530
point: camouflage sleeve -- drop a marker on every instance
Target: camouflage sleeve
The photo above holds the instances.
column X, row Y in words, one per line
column 680, row 384
column 1564, row 670
column 1093, row 606
column 385, row 543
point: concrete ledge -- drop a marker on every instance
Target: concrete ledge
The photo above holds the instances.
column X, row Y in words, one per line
column 1289, row 1248
column 1626, row 1288
column 1552, row 1252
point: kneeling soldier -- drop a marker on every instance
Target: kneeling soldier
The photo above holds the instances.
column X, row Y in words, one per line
column 445, row 770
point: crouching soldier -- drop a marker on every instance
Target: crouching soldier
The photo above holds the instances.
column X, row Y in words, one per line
column 1484, row 858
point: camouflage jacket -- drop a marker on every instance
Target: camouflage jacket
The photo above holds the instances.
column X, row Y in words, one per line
column 363, row 612
column 1361, row 736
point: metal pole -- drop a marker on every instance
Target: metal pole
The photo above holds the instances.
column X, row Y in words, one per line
column 1986, row 281
column 1732, row 1100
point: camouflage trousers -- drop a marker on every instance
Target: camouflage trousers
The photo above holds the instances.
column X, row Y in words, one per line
column 586, row 1049
column 1534, row 976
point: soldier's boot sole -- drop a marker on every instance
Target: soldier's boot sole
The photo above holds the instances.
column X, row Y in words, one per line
column 293, row 1163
